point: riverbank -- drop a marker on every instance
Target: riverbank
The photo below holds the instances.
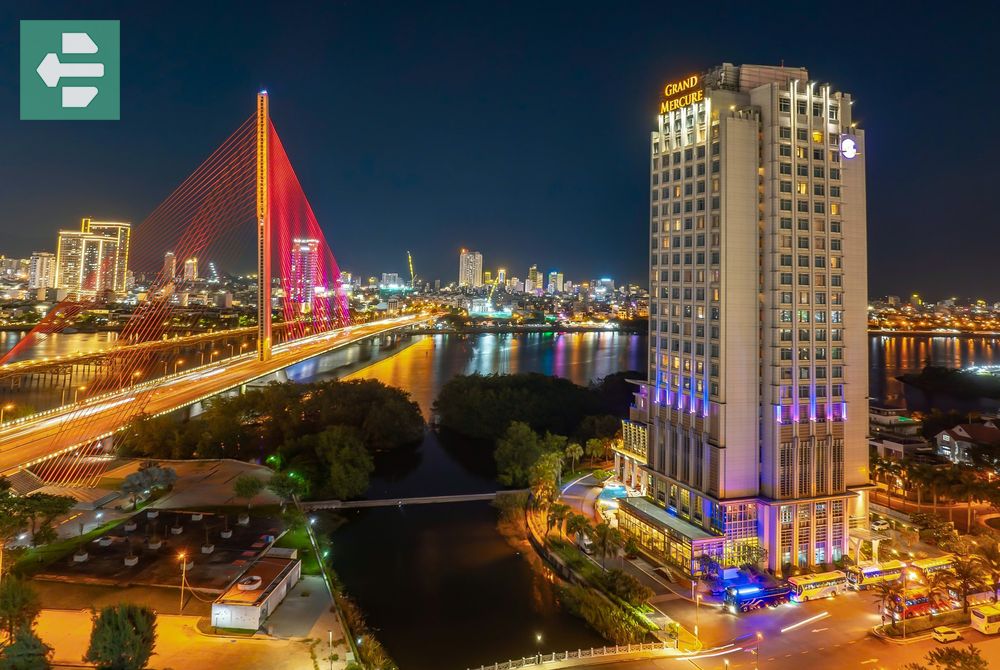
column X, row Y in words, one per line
column 531, row 328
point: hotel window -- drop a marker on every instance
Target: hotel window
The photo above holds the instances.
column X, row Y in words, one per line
column 819, row 262
column 837, row 391
column 803, row 243
column 803, row 261
column 801, row 134
column 819, row 189
column 835, row 208
column 786, row 354
column 786, row 277
column 786, row 297
column 803, row 188
column 817, row 109
column 820, row 298
column 786, row 260
column 687, row 171
column 817, row 154
column 817, row 136
column 803, row 316
column 834, row 113
column 785, row 187
column 785, row 105
column 785, row 133
column 819, row 208
column 800, row 107
column 786, row 240
column 835, row 226
column 715, row 148
column 802, row 206
column 802, row 170
column 785, row 168
column 834, row 173
column 837, row 353
column 803, row 224
column 786, row 223
column 786, row 205
column 715, row 167
column 800, row 152
column 834, row 191
column 820, row 316
column 837, row 371
column 834, row 139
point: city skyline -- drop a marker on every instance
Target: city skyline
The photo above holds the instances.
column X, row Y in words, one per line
column 437, row 193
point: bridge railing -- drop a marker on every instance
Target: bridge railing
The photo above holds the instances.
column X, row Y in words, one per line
column 593, row 652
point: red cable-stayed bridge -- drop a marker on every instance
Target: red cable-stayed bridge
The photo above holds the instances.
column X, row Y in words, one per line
column 246, row 190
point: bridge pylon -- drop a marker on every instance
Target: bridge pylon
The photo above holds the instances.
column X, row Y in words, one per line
column 263, row 232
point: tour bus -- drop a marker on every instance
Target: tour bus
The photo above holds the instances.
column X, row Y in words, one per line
column 861, row 577
column 986, row 619
column 748, row 597
column 917, row 603
column 822, row 585
column 926, row 566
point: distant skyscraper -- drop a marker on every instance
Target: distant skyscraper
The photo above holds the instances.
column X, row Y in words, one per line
column 122, row 232
column 42, row 270
column 555, row 284
column 533, row 277
column 391, row 280
column 304, row 268
column 741, row 439
column 86, row 263
column 191, row 269
column 487, row 277
column 169, row 267
column 501, row 276
column 470, row 269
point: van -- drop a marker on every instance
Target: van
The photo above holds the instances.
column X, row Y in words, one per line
column 584, row 543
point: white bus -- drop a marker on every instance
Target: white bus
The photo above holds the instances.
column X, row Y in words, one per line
column 986, row 619
column 822, row 585
column 865, row 576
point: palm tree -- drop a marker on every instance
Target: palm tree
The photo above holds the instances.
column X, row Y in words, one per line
column 966, row 485
column 887, row 594
column 595, row 449
column 938, row 585
column 576, row 524
column 606, row 541
column 968, row 575
column 559, row 513
column 989, row 553
column 920, row 474
column 574, row 452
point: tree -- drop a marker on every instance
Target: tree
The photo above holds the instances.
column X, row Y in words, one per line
column 576, row 524
column 544, row 477
column 888, row 595
column 516, row 452
column 42, row 509
column 348, row 462
column 559, row 513
column 288, row 485
column 965, row 485
column 952, row 658
column 989, row 552
column 123, row 637
column 19, row 604
column 25, row 652
column 606, row 540
column 967, row 576
column 247, row 486
column 574, row 452
column 594, row 449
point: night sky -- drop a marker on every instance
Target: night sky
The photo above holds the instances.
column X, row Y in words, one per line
column 518, row 129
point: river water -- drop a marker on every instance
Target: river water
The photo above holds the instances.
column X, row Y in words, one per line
column 439, row 584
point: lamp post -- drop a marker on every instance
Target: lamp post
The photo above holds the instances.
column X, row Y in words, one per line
column 329, row 635
column 538, row 641
column 184, row 566
column 76, row 394
column 179, row 361
column 5, row 408
column 756, row 652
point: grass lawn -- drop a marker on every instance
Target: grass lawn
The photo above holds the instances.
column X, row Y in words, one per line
column 298, row 538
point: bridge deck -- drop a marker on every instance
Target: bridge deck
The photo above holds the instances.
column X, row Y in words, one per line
column 29, row 442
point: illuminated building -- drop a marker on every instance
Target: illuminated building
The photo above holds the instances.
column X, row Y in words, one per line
column 86, row 263
column 534, row 278
column 303, row 275
column 470, row 269
column 487, row 277
column 501, row 276
column 555, row 284
column 754, row 415
column 42, row 270
column 191, row 269
column 169, row 267
column 122, row 232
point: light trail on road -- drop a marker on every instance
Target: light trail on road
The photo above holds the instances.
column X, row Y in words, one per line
column 821, row 615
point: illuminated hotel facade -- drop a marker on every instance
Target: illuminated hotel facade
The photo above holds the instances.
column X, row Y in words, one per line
column 304, row 273
column 748, row 439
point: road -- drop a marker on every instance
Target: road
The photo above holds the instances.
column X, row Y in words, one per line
column 23, row 444
column 835, row 635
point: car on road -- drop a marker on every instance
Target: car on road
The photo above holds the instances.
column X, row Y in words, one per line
column 945, row 634
column 584, row 543
column 880, row 525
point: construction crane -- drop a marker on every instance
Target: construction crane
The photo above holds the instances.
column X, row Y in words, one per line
column 413, row 277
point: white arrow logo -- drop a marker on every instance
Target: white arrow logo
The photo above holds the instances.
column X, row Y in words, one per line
column 51, row 70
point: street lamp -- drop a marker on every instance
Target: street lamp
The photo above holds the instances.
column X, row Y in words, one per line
column 5, row 408
column 76, row 394
column 179, row 361
column 538, row 641
column 184, row 566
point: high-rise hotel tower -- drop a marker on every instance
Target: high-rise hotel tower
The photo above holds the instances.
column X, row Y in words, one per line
column 748, row 439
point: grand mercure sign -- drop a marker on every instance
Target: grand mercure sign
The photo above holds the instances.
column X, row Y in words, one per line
column 681, row 93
